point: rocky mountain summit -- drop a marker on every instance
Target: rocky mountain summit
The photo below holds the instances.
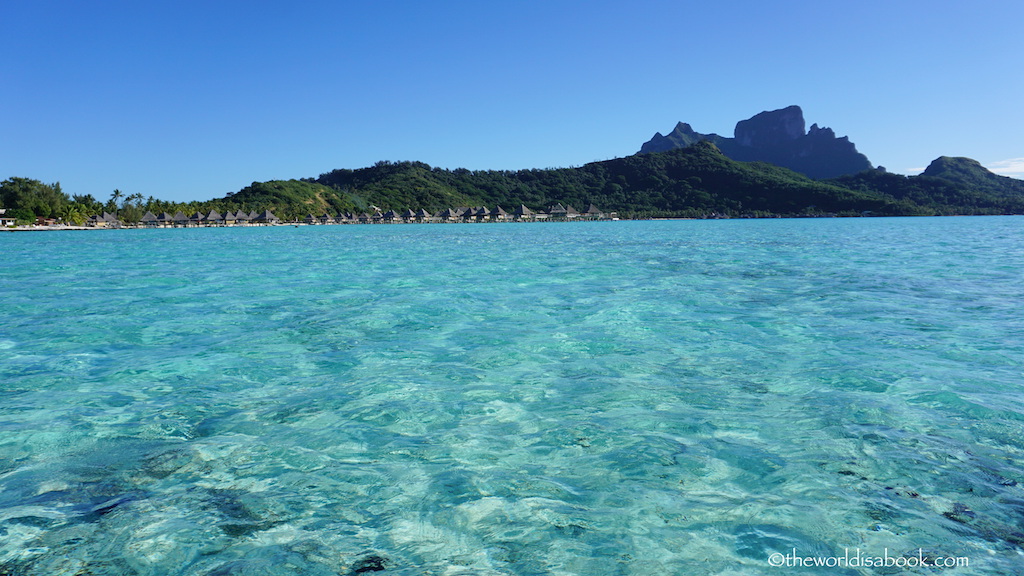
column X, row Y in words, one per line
column 778, row 137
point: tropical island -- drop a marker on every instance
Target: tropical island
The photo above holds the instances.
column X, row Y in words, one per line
column 773, row 167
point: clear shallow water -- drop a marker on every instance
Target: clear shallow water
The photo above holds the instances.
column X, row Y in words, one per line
column 604, row 398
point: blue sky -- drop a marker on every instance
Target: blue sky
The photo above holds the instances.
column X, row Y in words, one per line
column 189, row 100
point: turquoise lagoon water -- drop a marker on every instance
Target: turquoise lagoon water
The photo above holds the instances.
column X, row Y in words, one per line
column 685, row 397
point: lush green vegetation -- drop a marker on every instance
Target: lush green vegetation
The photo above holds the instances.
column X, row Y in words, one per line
column 697, row 181
column 26, row 199
column 937, row 195
column 689, row 182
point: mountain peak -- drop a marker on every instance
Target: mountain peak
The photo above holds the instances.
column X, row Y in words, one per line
column 970, row 173
column 778, row 137
column 771, row 128
column 945, row 166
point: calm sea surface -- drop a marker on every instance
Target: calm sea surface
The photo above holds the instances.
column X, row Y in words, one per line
column 684, row 397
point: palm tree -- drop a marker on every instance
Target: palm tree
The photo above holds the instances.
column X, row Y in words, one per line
column 72, row 214
column 114, row 197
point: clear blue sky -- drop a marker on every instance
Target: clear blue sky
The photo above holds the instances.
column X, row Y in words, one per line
column 189, row 100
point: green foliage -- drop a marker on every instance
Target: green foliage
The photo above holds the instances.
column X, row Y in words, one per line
column 287, row 199
column 693, row 182
column 690, row 182
column 28, row 199
column 939, row 195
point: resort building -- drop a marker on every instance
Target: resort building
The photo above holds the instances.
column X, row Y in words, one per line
column 6, row 220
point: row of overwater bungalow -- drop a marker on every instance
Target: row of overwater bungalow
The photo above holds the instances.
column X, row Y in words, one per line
column 211, row 218
column 463, row 214
column 180, row 220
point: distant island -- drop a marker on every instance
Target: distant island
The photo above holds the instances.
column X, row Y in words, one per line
column 772, row 167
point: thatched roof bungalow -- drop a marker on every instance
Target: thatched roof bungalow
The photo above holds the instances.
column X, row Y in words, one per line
column 266, row 217
column 447, row 215
column 214, row 218
column 498, row 213
column 479, row 214
column 106, row 220
column 523, row 213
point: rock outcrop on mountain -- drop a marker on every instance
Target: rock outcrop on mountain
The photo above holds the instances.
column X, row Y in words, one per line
column 778, row 137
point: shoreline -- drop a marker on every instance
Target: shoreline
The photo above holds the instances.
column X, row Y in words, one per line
column 48, row 228
column 61, row 228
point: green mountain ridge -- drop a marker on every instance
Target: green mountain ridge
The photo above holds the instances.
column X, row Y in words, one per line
column 696, row 181
column 971, row 173
column 690, row 182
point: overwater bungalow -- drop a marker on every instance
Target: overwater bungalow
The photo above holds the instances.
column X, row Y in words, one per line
column 498, row 214
column 409, row 215
column 593, row 212
column 107, row 220
column 179, row 219
column 164, row 220
column 310, row 219
column 266, row 217
column 447, row 215
column 391, row 217
column 556, row 212
column 480, row 214
column 571, row 212
column 214, row 218
column 523, row 213
column 229, row 218
column 423, row 216
column 149, row 219
column 197, row 219
column 241, row 218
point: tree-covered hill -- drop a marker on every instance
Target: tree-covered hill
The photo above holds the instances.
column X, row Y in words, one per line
column 289, row 199
column 971, row 174
column 948, row 194
column 696, row 181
